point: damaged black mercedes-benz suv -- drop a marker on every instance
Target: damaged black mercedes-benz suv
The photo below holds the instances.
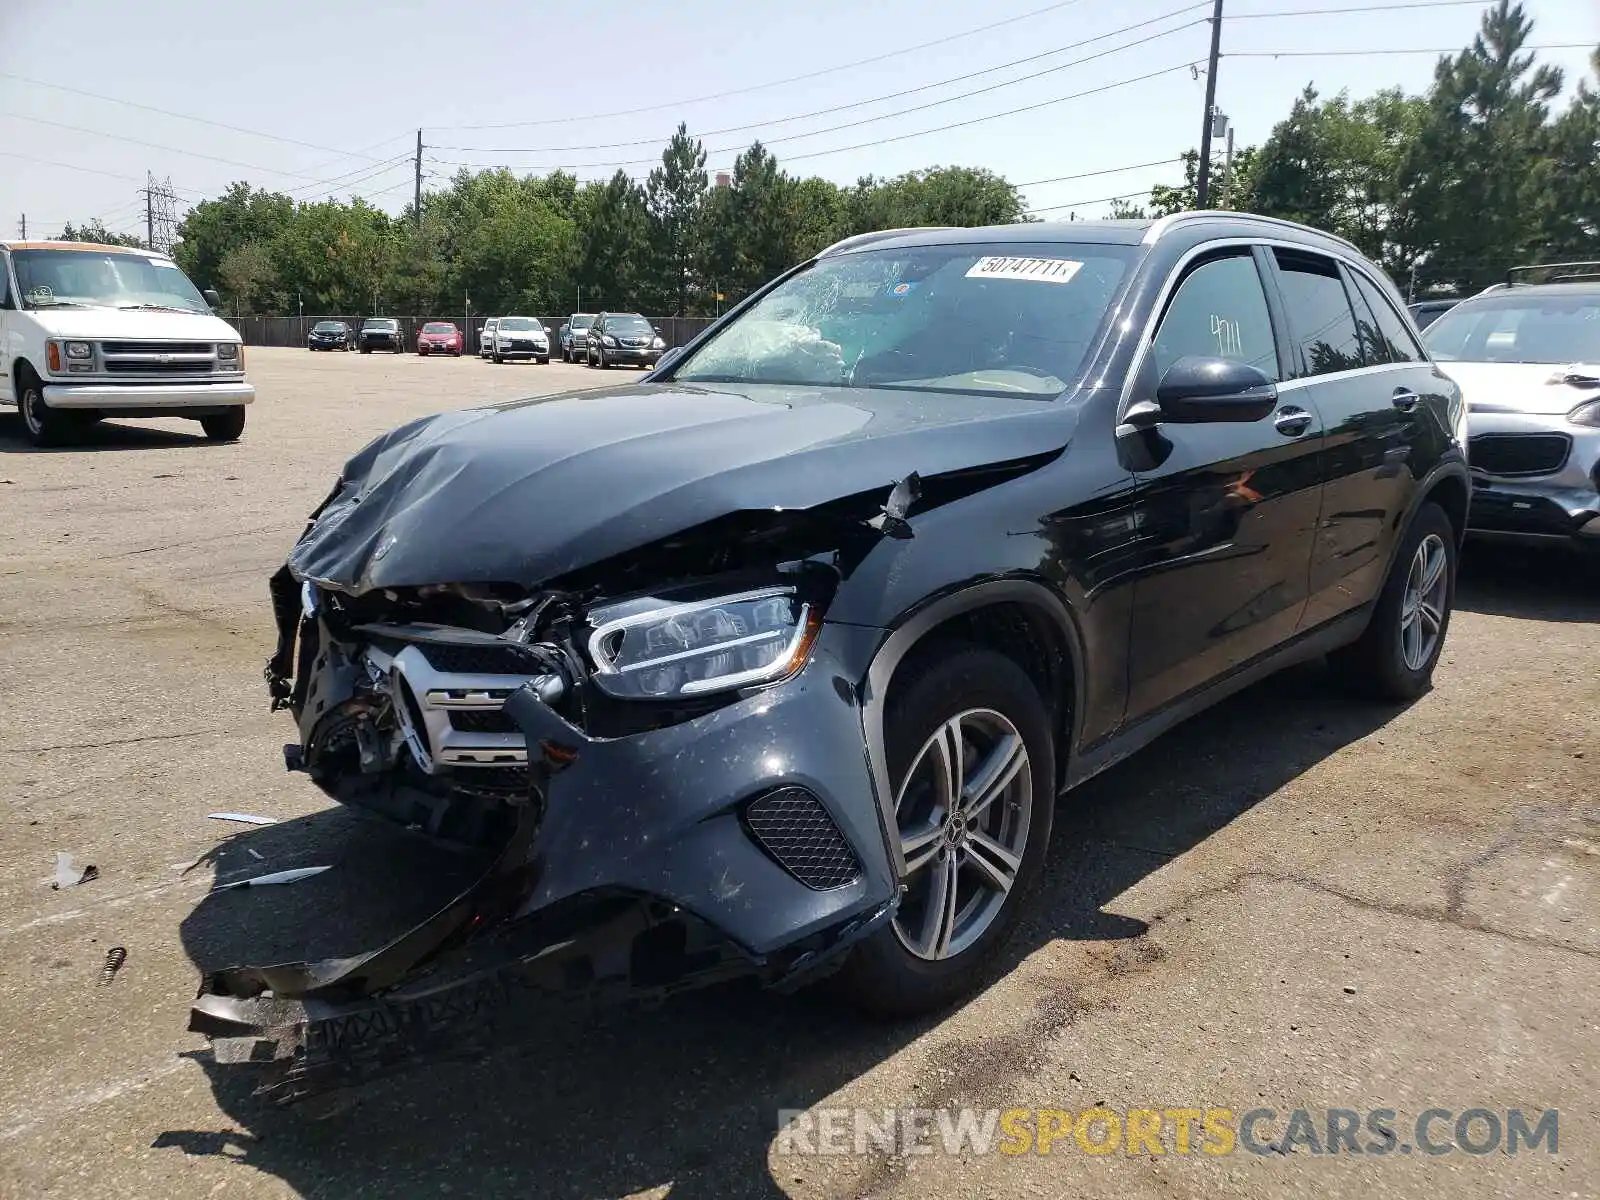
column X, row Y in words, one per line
column 774, row 662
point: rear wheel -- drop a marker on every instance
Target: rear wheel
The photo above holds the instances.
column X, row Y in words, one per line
column 1394, row 658
column 45, row 426
column 224, row 427
column 969, row 748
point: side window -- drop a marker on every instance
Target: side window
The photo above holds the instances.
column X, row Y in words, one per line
column 5, row 281
column 1218, row 311
column 1319, row 312
column 1394, row 341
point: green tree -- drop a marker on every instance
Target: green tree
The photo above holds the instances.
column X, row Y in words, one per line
column 613, row 244
column 1468, row 181
column 1567, row 185
column 1166, row 199
column 673, row 197
column 95, row 231
column 248, row 274
column 213, row 227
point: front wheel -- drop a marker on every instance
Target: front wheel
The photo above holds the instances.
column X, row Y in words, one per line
column 545, row 361
column 970, row 750
column 45, row 426
column 225, row 426
column 1395, row 657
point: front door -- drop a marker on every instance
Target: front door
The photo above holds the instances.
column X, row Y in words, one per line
column 1227, row 512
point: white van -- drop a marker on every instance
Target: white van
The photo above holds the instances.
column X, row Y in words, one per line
column 90, row 331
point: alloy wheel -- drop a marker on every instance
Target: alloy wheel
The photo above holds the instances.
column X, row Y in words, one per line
column 962, row 816
column 1422, row 607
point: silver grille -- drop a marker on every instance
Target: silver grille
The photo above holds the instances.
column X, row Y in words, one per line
column 158, row 358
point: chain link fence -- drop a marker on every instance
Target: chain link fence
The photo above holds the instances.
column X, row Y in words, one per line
column 292, row 331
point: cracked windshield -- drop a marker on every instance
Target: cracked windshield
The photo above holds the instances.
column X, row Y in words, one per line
column 990, row 318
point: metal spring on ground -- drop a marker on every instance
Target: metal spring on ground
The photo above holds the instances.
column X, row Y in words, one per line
column 115, row 957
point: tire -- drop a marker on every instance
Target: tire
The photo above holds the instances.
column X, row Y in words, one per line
column 604, row 365
column 45, row 426
column 224, row 427
column 366, row 349
column 989, row 697
column 1393, row 659
column 494, row 357
column 545, row 361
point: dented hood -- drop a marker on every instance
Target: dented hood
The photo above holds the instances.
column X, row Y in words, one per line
column 527, row 491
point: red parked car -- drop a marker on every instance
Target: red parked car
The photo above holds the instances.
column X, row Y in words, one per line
column 440, row 336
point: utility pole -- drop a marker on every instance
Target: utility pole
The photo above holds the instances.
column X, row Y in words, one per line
column 149, row 211
column 417, row 188
column 24, row 226
column 1202, row 187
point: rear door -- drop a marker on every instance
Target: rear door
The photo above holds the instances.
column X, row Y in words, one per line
column 1228, row 512
column 8, row 302
column 1368, row 402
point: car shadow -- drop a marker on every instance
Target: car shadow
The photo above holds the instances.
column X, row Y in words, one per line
column 686, row 1095
column 1535, row 583
column 98, row 437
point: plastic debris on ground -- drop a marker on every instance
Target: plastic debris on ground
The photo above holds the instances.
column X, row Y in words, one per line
column 295, row 875
column 68, row 874
column 244, row 818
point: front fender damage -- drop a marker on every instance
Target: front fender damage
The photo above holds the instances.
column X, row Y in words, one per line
column 473, row 976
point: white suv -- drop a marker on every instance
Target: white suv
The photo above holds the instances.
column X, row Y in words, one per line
column 90, row 331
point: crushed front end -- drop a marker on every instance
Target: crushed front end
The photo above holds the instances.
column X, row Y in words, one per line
column 675, row 783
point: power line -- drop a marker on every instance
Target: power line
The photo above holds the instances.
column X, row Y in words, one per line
column 1086, row 203
column 117, row 137
column 1321, row 12
column 70, row 166
column 1160, row 162
column 876, row 141
column 772, row 83
column 349, row 178
column 1414, row 50
column 183, row 116
column 821, row 112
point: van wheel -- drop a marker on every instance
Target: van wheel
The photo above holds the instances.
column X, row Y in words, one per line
column 1395, row 656
column 45, row 426
column 224, row 427
column 969, row 748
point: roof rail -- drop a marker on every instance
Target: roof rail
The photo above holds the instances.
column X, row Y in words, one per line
column 1569, row 271
column 1172, row 220
column 878, row 235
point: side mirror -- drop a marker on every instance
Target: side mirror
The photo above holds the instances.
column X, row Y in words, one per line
column 212, row 298
column 1199, row 389
column 668, row 357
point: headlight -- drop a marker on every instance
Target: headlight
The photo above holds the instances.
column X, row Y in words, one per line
column 607, row 340
column 78, row 349
column 706, row 646
column 1587, row 413
column 227, row 351
column 658, row 344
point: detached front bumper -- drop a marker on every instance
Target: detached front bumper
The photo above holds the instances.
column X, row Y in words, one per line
column 746, row 841
column 148, row 396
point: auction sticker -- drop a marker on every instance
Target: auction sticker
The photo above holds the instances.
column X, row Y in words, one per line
column 1039, row 270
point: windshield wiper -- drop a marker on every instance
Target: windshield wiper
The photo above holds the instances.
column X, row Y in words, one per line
column 155, row 308
column 60, row 304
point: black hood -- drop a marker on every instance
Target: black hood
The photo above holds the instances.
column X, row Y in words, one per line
column 527, row 491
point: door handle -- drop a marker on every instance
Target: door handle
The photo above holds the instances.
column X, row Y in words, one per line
column 1405, row 399
column 1292, row 422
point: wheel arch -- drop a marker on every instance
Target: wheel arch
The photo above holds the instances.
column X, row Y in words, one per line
column 1017, row 617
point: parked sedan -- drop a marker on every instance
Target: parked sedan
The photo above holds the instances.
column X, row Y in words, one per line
column 520, row 337
column 1527, row 357
column 382, row 333
column 329, row 335
column 575, row 336
column 486, row 337
column 439, row 337
column 774, row 662
column 623, row 338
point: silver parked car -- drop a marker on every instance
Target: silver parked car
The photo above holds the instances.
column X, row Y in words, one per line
column 520, row 337
column 486, row 337
column 1527, row 357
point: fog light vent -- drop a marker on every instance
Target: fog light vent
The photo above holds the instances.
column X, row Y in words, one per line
column 793, row 827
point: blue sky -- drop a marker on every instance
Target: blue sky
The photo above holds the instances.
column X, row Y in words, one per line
column 354, row 81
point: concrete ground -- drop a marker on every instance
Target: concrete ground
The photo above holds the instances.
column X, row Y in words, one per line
column 1295, row 901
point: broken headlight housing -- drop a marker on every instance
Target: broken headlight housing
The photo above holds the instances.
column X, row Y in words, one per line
column 646, row 649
